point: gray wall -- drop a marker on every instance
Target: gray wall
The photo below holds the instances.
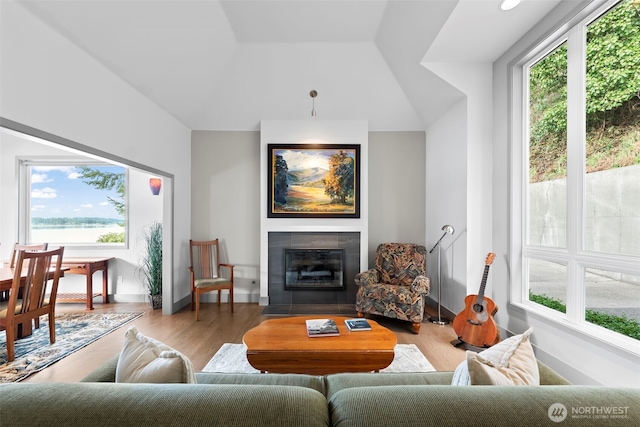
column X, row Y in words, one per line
column 397, row 187
column 225, row 195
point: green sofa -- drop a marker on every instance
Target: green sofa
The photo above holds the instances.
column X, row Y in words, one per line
column 305, row 400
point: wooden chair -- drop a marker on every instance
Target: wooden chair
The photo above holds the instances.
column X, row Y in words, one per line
column 18, row 247
column 205, row 272
column 4, row 296
column 34, row 301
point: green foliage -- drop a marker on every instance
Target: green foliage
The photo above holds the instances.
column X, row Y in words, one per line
column 552, row 303
column 106, row 181
column 151, row 260
column 620, row 324
column 280, row 180
column 612, row 97
column 613, row 59
column 111, row 238
column 339, row 182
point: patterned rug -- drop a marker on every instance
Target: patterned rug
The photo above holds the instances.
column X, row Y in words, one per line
column 73, row 332
column 232, row 358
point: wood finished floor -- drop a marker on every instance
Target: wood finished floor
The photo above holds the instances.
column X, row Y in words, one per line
column 199, row 341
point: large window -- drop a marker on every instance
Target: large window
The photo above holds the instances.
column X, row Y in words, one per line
column 78, row 203
column 580, row 175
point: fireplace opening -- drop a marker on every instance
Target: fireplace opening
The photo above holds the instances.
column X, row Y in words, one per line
column 314, row 269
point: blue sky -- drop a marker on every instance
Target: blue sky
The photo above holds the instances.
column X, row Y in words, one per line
column 59, row 192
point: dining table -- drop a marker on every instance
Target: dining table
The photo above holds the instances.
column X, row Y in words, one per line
column 6, row 280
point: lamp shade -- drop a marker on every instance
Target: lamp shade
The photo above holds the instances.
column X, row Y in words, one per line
column 155, row 184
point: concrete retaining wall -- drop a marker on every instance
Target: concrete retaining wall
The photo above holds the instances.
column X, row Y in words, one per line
column 612, row 210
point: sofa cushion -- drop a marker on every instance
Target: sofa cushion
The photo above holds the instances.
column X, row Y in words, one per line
column 123, row 405
column 338, row 382
column 316, row 382
column 510, row 362
column 481, row 406
column 145, row 360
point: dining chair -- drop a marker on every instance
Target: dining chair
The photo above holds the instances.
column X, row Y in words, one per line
column 32, row 247
column 4, row 295
column 33, row 270
column 205, row 272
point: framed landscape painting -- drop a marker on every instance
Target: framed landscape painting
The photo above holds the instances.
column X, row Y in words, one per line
column 314, row 181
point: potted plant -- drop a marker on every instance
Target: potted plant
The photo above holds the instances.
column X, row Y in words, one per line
column 151, row 263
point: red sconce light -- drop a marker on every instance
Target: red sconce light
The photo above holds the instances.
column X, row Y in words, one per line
column 155, row 184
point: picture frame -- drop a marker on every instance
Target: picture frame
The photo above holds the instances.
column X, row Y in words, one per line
column 313, row 181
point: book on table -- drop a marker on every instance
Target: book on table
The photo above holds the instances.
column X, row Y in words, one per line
column 322, row 328
column 357, row 324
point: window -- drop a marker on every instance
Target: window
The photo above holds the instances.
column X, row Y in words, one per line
column 78, row 202
column 579, row 169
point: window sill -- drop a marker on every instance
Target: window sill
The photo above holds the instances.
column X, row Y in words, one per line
column 597, row 335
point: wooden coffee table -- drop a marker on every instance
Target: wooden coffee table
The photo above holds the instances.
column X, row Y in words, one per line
column 282, row 346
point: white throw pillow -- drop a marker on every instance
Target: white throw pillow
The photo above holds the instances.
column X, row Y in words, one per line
column 145, row 360
column 461, row 375
column 510, row 362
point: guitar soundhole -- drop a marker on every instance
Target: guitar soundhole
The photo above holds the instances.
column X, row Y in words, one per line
column 478, row 308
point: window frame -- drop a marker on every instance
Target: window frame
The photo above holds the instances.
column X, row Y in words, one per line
column 24, row 168
column 573, row 255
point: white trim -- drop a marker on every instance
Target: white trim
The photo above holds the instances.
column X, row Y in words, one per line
column 573, row 256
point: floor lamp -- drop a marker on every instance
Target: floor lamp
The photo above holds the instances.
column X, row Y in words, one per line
column 447, row 230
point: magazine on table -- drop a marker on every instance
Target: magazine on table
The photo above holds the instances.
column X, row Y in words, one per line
column 357, row 324
column 322, row 328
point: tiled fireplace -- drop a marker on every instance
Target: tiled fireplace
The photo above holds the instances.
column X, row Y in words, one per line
column 342, row 245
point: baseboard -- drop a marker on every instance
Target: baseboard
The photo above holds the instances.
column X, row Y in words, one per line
column 210, row 297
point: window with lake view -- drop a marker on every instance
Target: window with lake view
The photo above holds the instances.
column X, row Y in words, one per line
column 73, row 203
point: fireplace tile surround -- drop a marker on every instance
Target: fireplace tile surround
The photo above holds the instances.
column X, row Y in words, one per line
column 279, row 241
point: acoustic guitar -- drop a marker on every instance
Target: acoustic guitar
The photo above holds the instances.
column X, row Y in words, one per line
column 475, row 325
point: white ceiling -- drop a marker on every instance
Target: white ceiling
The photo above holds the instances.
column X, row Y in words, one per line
column 229, row 64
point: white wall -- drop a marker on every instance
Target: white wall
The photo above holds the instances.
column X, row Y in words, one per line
column 446, row 204
column 48, row 83
column 143, row 209
column 582, row 359
column 475, row 82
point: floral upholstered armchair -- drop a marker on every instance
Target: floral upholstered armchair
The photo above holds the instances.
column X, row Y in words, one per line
column 396, row 286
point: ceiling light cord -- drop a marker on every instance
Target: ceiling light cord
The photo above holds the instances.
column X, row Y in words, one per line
column 313, row 95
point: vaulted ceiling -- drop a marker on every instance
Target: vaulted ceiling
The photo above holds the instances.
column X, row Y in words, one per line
column 226, row 65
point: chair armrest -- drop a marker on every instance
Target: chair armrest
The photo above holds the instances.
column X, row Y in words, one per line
column 368, row 277
column 230, row 267
column 421, row 285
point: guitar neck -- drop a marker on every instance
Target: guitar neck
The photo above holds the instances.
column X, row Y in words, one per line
column 483, row 284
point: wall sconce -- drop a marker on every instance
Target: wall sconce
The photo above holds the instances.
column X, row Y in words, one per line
column 155, row 184
column 313, row 95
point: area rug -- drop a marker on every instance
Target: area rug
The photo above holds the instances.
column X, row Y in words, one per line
column 73, row 332
column 232, row 358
